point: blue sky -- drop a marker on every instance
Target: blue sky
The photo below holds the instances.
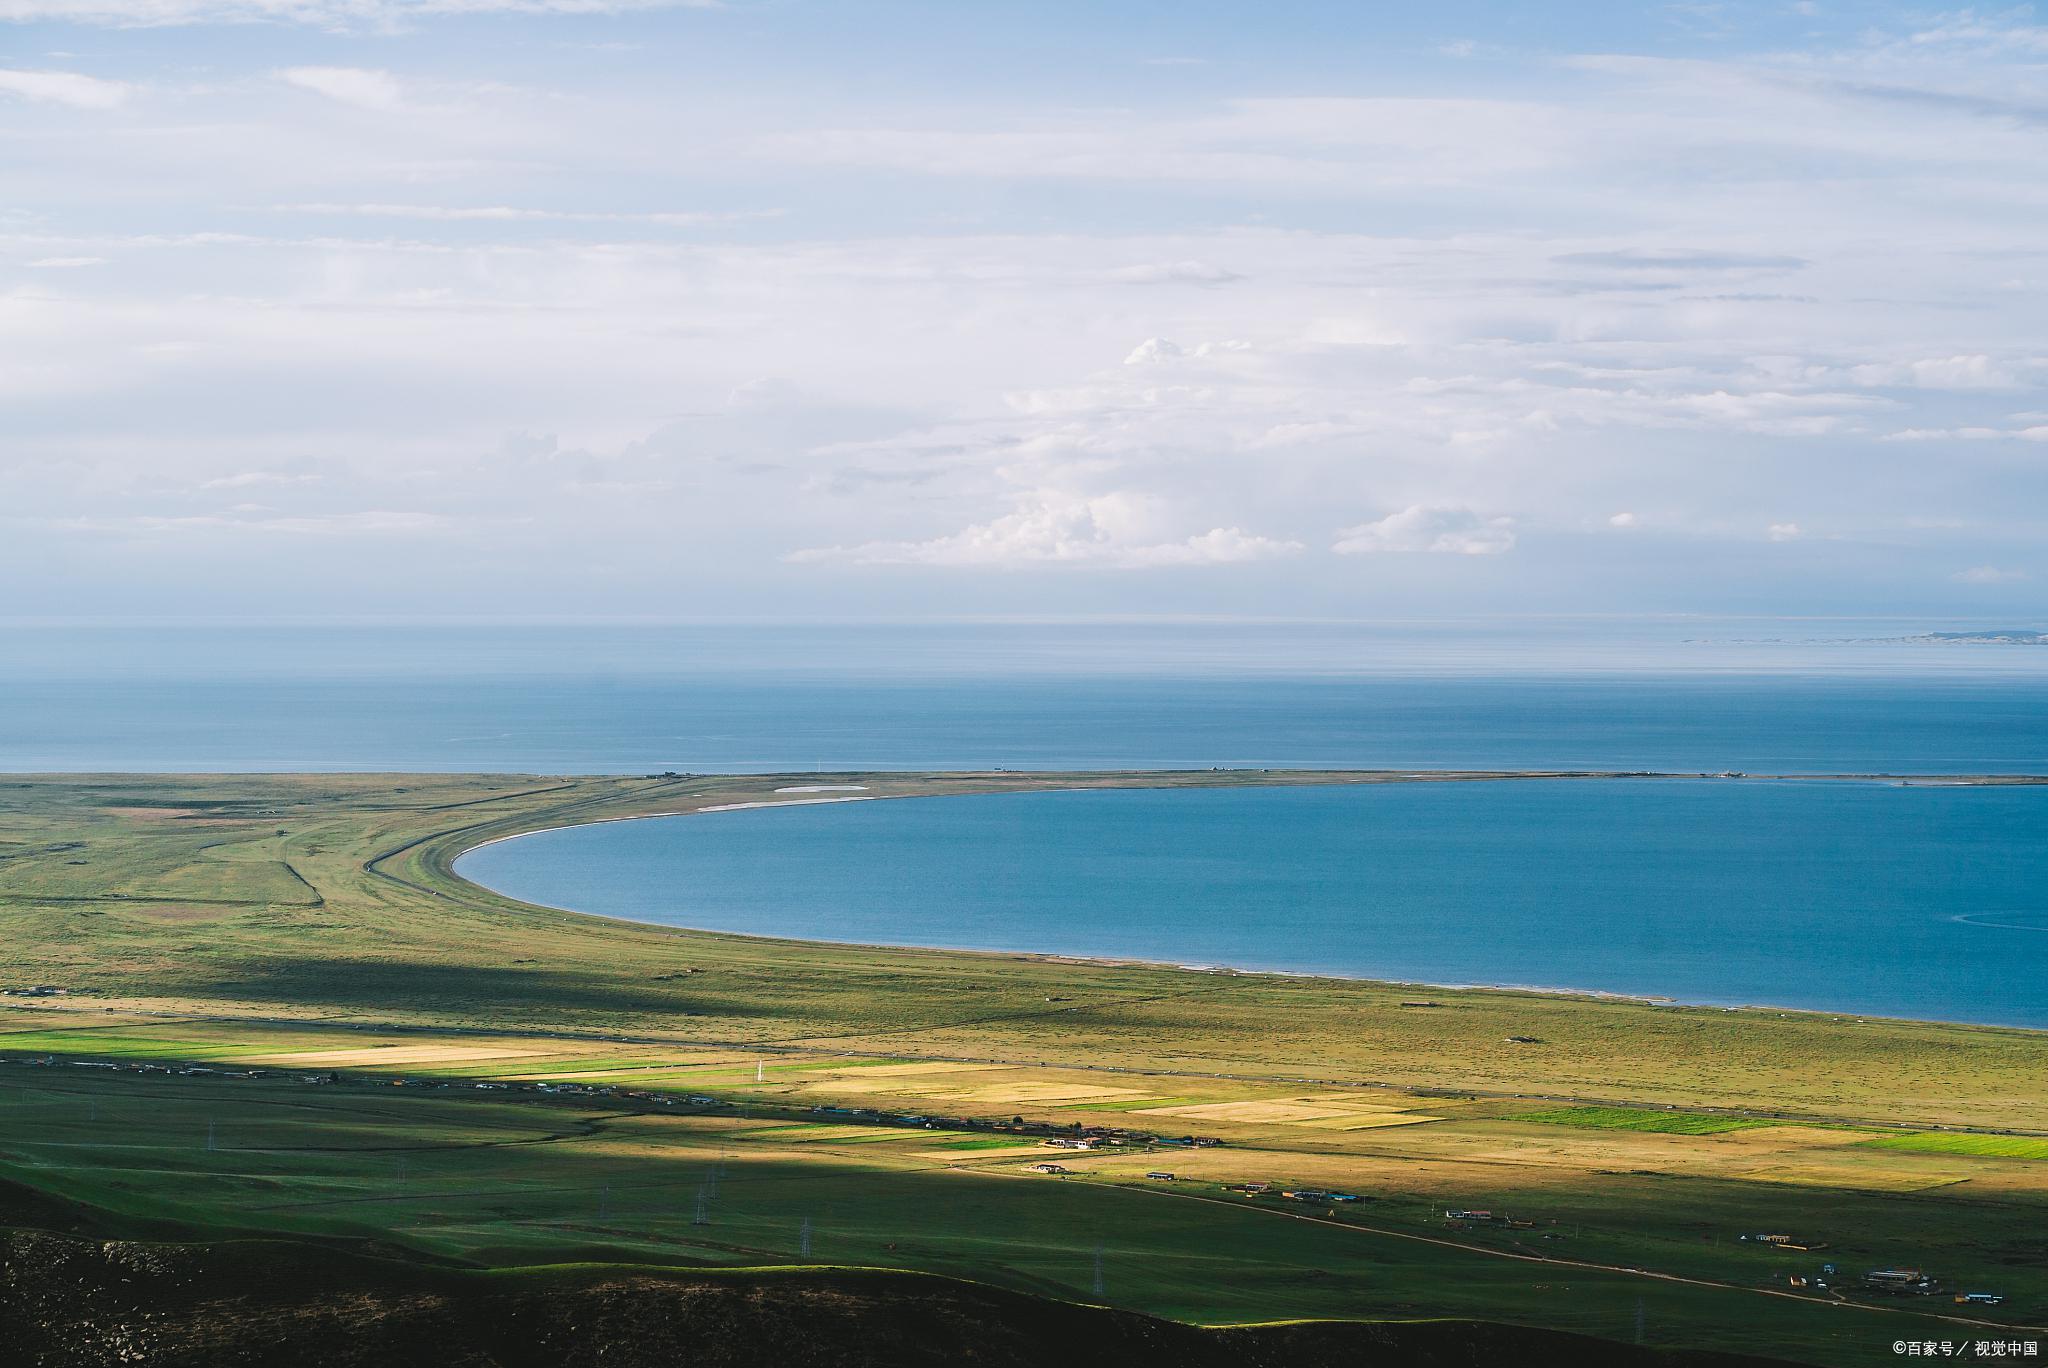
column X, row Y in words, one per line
column 560, row 306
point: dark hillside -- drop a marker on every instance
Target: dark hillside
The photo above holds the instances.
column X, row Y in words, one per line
column 71, row 1298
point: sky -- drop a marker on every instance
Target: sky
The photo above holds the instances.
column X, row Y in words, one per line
column 794, row 308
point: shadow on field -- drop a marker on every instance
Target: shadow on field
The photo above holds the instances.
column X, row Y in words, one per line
column 84, row 1303
column 512, row 993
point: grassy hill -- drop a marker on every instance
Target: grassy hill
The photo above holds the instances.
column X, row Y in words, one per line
column 652, row 1097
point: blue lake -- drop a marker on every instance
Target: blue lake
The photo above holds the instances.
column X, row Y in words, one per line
column 556, row 700
column 1927, row 902
column 585, row 725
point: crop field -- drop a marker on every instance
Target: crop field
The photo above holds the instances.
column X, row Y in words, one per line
column 475, row 1178
column 1640, row 1119
column 1949, row 1142
column 371, row 1049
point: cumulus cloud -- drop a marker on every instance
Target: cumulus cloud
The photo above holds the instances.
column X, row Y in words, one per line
column 1053, row 529
column 1988, row 574
column 1151, row 350
column 1217, row 546
column 1624, row 520
column 1439, row 531
column 323, row 302
column 65, row 88
column 1783, row 531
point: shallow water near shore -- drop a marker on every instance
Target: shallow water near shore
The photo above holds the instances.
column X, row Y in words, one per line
column 1864, row 898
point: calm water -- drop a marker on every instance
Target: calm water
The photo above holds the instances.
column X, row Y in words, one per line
column 633, row 700
column 1868, row 898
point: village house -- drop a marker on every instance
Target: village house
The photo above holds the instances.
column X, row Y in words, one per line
column 1900, row 1281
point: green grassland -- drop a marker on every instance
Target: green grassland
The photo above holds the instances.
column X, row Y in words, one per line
column 1951, row 1142
column 483, row 1182
column 1639, row 1119
column 307, row 927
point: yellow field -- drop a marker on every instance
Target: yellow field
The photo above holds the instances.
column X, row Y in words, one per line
column 396, row 1056
column 687, row 1052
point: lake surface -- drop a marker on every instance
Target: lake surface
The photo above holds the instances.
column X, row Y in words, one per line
column 557, row 700
column 1859, row 898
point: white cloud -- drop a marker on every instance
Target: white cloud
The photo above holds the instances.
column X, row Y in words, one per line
column 1420, row 527
column 1939, row 372
column 1309, row 141
column 1672, row 260
column 251, row 479
column 1151, row 350
column 358, row 86
column 1994, row 31
column 1054, row 529
column 1579, row 298
column 1966, row 434
column 327, row 14
column 501, row 213
column 1988, row 574
column 65, row 263
column 1783, row 531
column 1174, row 273
column 65, row 88
column 1624, row 520
column 1217, row 546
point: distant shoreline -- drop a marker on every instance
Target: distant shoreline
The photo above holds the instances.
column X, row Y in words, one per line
column 1308, row 777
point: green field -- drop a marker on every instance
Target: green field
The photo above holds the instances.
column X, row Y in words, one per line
column 1639, row 1119
column 1949, row 1142
column 491, row 1183
column 665, row 1096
